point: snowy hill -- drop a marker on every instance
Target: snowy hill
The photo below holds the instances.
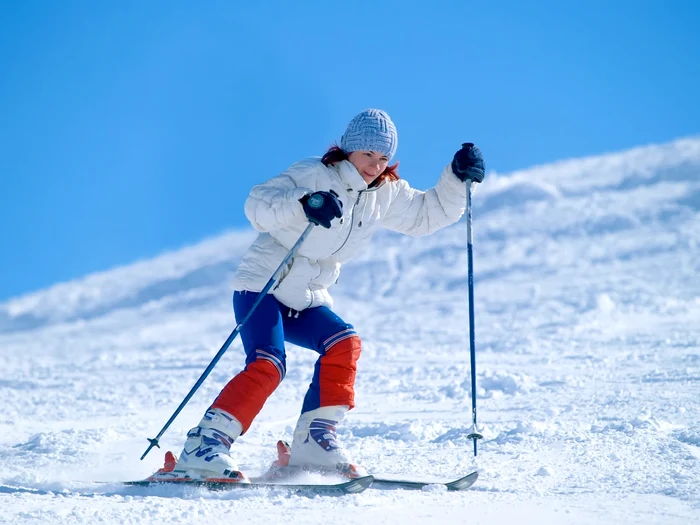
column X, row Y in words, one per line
column 588, row 361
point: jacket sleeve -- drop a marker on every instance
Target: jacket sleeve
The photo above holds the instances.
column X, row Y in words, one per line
column 275, row 204
column 417, row 213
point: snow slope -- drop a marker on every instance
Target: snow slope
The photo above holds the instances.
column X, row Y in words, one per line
column 588, row 365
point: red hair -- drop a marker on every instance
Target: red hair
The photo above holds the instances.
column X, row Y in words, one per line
column 335, row 154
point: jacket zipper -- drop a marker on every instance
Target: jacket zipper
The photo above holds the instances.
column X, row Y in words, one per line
column 352, row 215
column 352, row 220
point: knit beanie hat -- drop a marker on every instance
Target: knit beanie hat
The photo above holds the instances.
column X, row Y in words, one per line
column 371, row 130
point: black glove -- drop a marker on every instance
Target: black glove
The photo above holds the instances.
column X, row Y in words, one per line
column 468, row 163
column 321, row 207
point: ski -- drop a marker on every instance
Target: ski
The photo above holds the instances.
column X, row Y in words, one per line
column 354, row 486
column 280, row 476
column 280, row 468
column 462, row 483
column 169, row 475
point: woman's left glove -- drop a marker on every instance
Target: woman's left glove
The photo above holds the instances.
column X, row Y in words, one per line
column 468, row 163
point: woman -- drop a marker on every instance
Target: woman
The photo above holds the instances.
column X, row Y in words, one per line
column 350, row 192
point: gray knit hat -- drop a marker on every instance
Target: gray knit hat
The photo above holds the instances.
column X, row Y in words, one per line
column 371, row 130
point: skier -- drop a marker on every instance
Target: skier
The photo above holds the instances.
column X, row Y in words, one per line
column 351, row 191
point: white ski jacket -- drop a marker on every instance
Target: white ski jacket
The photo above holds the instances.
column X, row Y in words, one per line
column 273, row 209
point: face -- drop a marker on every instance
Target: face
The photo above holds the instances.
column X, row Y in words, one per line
column 369, row 164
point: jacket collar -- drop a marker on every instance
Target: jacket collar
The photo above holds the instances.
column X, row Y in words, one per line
column 350, row 176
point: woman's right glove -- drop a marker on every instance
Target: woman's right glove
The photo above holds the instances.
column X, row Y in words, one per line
column 468, row 163
column 321, row 207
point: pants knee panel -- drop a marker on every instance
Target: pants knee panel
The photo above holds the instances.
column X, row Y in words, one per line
column 337, row 372
column 244, row 396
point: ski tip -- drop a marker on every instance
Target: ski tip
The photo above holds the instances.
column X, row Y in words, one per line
column 357, row 485
column 463, row 483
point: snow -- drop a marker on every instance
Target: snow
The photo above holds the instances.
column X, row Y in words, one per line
column 588, row 365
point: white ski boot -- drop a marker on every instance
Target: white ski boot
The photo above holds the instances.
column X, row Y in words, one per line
column 206, row 454
column 316, row 447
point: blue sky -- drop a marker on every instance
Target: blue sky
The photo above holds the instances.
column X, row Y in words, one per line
column 131, row 128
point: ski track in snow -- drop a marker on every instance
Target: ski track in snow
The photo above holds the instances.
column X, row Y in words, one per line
column 588, row 365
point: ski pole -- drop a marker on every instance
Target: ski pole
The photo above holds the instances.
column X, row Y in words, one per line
column 154, row 442
column 475, row 435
